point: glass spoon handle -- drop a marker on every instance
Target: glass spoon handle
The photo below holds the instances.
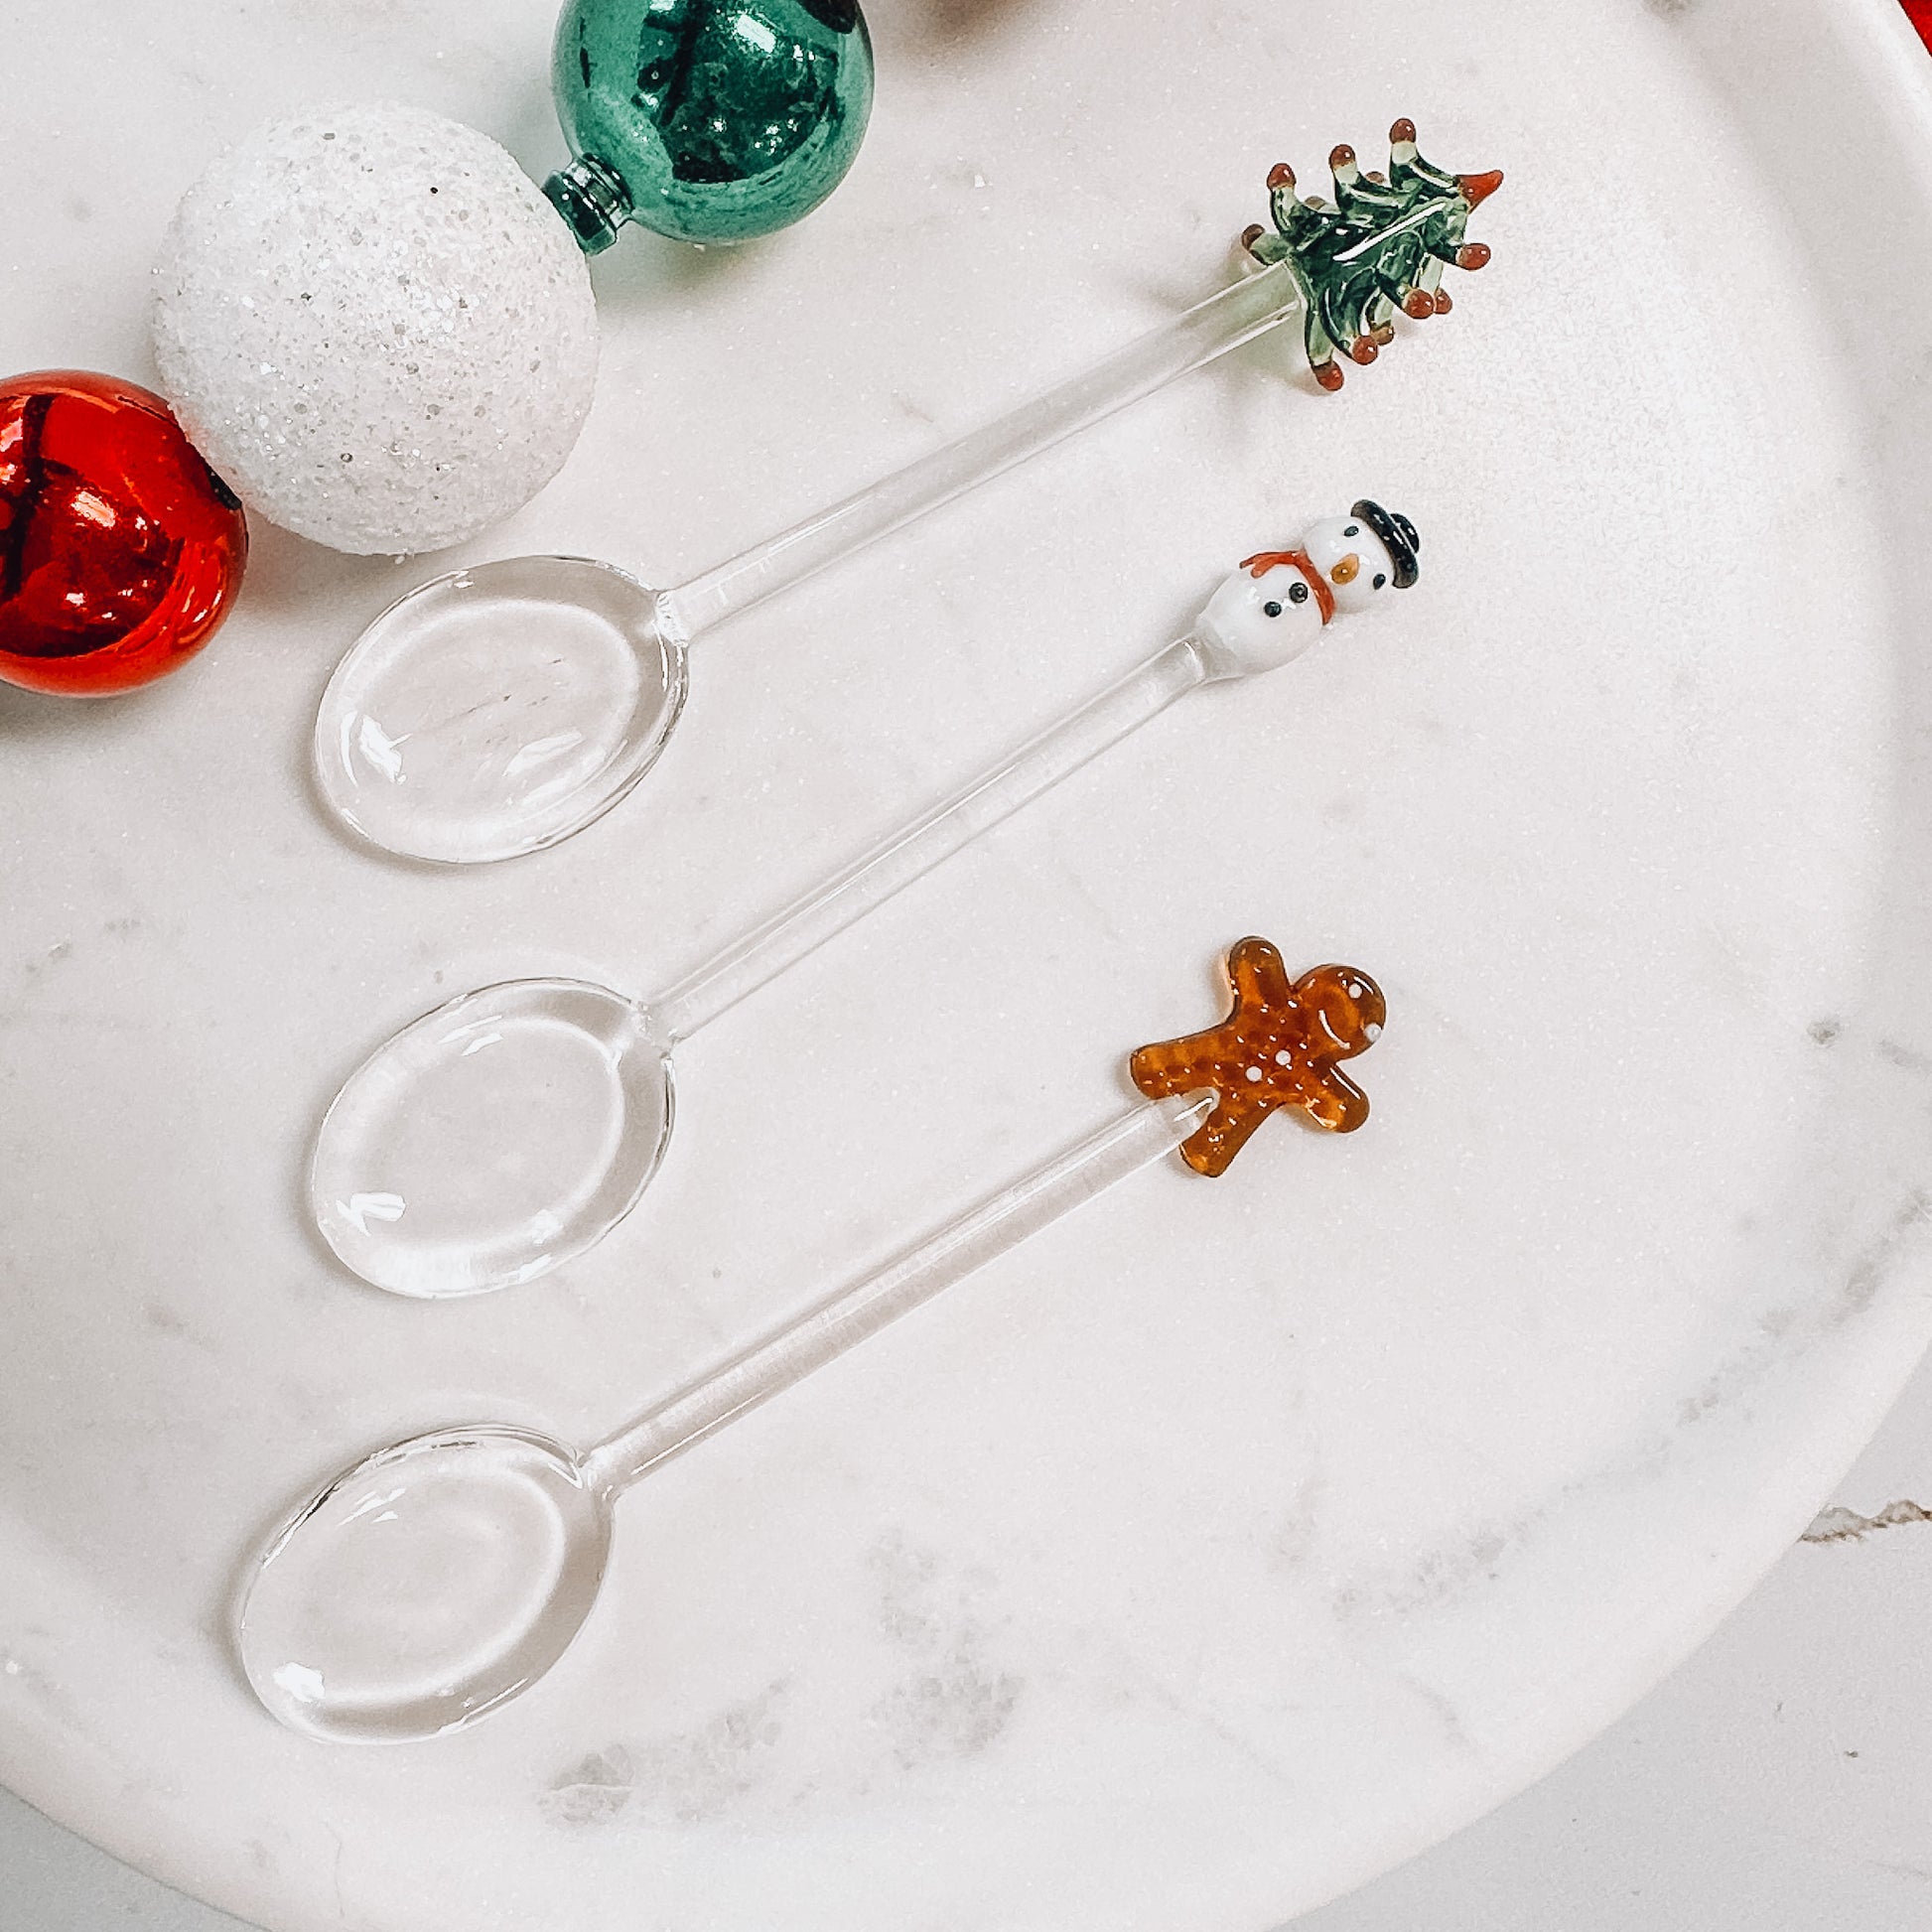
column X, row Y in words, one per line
column 784, row 939
column 1345, row 265
column 964, row 1244
column 1238, row 313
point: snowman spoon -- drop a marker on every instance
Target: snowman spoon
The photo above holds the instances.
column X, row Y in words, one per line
column 500, row 709
column 440, row 1578
column 511, row 1129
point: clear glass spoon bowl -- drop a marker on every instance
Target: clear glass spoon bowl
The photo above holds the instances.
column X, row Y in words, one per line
column 493, row 1138
column 496, row 710
column 424, row 1587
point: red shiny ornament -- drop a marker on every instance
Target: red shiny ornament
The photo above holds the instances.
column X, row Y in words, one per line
column 120, row 549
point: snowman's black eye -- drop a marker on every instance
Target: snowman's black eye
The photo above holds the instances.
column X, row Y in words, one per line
column 1271, row 609
column 1297, row 593
column 1353, row 530
column 1379, row 580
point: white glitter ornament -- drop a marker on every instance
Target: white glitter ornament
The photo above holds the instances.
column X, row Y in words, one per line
column 375, row 327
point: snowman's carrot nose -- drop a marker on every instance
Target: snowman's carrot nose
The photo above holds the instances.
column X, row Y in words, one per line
column 1347, row 570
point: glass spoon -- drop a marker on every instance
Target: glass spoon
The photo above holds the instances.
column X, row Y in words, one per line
column 438, row 1578
column 511, row 1129
column 500, row 708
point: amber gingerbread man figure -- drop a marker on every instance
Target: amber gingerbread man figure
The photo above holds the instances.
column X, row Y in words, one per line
column 1277, row 1048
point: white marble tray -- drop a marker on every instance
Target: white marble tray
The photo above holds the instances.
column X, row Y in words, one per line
column 1229, row 1543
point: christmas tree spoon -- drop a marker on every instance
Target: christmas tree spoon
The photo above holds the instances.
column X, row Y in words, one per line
column 512, row 1128
column 438, row 1578
column 499, row 709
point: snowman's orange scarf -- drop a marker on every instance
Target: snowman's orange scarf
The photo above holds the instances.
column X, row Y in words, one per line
column 1265, row 561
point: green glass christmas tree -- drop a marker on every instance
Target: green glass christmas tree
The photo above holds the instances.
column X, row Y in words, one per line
column 1381, row 245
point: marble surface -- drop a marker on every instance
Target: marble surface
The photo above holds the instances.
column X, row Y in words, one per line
column 1775, row 1783
column 1230, row 1544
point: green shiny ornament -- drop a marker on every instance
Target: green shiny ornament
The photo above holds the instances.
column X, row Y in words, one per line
column 708, row 120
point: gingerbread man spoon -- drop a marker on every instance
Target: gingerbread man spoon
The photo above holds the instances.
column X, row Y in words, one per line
column 436, row 1579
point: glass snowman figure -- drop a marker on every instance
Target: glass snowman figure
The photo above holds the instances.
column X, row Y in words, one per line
column 1275, row 606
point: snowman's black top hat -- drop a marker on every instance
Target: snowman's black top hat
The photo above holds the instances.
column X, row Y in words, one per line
column 1398, row 536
